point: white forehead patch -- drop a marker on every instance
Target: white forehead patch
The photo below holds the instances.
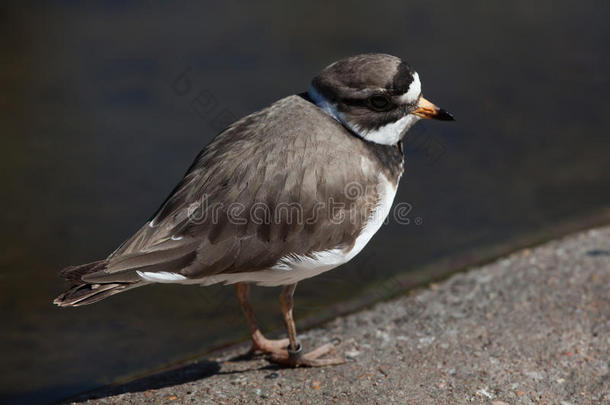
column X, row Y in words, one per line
column 414, row 91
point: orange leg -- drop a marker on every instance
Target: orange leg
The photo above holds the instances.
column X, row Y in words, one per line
column 259, row 342
column 285, row 351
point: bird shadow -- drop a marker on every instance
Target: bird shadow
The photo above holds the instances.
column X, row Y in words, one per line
column 199, row 370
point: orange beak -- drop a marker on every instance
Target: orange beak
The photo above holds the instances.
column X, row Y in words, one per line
column 426, row 109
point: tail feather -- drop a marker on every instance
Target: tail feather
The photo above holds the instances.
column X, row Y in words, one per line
column 75, row 273
column 95, row 281
column 84, row 293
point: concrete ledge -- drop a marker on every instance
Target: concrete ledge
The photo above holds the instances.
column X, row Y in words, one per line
column 530, row 328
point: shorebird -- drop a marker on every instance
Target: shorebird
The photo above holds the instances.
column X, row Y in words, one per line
column 284, row 194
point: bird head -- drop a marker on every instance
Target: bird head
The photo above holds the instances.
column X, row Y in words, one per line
column 376, row 96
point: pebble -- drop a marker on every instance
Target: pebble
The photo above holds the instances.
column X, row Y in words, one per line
column 425, row 341
column 534, row 374
column 484, row 393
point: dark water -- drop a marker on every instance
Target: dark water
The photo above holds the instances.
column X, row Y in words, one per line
column 94, row 137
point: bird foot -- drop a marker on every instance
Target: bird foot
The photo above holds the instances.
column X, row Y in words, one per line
column 260, row 344
column 295, row 358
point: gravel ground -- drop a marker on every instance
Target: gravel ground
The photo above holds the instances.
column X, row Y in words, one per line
column 530, row 328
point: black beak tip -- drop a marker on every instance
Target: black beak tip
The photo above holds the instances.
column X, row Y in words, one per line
column 444, row 115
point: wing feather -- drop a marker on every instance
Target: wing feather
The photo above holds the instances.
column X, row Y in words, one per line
column 289, row 154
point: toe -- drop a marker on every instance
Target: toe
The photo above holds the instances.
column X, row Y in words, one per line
column 333, row 361
column 269, row 346
column 311, row 359
column 320, row 351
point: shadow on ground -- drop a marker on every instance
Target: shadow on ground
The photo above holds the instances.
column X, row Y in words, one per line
column 197, row 371
column 189, row 373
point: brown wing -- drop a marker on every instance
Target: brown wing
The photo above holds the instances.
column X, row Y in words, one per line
column 270, row 185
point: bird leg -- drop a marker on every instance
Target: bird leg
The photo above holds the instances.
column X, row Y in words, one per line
column 259, row 342
column 293, row 356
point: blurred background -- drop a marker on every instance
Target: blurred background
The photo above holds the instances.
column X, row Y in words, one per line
column 95, row 133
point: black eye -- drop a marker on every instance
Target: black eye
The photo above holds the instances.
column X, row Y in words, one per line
column 379, row 102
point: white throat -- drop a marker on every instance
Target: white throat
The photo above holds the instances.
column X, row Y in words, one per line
column 388, row 134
